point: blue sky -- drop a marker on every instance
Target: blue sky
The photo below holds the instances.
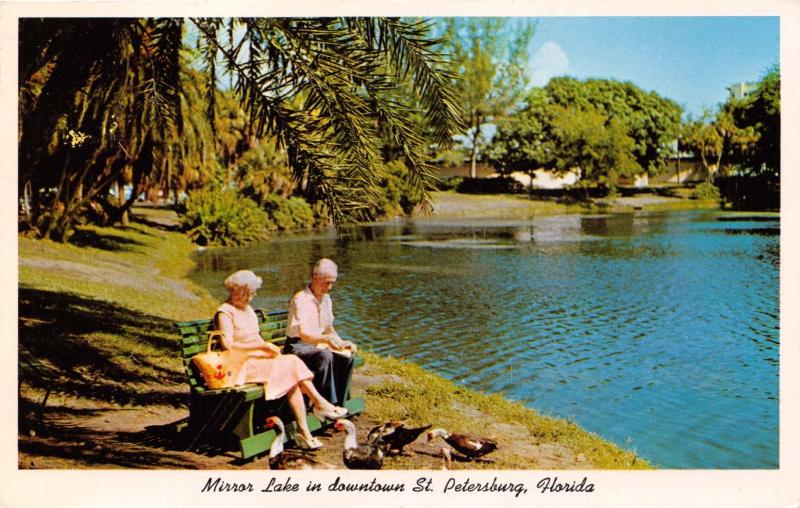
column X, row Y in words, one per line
column 690, row 60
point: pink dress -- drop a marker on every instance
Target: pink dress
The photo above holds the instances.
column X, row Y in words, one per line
column 278, row 375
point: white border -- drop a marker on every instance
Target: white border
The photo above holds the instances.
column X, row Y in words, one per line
column 23, row 488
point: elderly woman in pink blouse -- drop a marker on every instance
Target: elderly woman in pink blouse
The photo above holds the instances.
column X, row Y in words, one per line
column 255, row 361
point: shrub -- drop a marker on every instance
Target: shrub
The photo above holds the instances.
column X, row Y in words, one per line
column 217, row 216
column 397, row 195
column 706, row 191
column 289, row 213
column 449, row 183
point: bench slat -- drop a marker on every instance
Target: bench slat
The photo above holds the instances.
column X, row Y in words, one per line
column 194, row 339
column 190, row 351
column 188, row 331
column 275, row 325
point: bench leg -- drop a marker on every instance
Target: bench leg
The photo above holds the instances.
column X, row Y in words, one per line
column 210, row 419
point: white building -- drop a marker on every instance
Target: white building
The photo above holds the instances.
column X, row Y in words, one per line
column 544, row 179
column 741, row 91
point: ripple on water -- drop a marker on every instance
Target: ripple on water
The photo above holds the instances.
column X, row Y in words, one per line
column 460, row 243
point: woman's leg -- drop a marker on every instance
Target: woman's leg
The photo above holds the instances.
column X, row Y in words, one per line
column 317, row 400
column 319, row 361
column 298, row 406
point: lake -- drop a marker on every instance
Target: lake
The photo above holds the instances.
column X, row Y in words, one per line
column 657, row 331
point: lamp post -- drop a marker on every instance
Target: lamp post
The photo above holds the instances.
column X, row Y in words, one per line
column 678, row 161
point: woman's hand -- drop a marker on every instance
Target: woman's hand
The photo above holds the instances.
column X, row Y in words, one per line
column 271, row 349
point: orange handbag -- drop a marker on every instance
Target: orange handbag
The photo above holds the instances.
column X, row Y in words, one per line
column 214, row 366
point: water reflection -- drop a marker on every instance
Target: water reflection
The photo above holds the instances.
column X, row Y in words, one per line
column 655, row 328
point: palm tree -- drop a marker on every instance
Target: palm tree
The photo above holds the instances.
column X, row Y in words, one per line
column 100, row 100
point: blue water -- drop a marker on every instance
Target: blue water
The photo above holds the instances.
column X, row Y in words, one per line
column 656, row 331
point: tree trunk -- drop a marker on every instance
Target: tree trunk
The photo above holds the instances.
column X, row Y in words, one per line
column 531, row 176
column 120, row 202
column 473, row 156
column 26, row 201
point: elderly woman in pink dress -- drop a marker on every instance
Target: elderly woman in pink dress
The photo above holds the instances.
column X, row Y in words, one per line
column 255, row 361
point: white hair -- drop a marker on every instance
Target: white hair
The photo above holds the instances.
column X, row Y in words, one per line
column 325, row 268
column 243, row 279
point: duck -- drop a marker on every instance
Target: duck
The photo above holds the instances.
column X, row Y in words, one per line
column 447, row 463
column 280, row 459
column 470, row 447
column 358, row 456
column 393, row 436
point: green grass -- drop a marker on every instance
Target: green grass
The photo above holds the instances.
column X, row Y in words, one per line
column 135, row 267
column 453, row 205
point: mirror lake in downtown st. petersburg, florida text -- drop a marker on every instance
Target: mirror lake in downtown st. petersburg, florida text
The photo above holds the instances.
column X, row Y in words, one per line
column 657, row 331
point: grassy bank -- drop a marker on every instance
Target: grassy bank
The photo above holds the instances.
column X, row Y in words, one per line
column 452, row 205
column 100, row 311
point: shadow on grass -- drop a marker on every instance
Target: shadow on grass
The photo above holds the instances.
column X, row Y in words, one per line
column 155, row 222
column 58, row 329
column 105, row 241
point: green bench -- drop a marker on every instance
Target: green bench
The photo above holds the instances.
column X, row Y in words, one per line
column 233, row 418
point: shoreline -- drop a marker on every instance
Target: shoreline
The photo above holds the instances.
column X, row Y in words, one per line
column 124, row 388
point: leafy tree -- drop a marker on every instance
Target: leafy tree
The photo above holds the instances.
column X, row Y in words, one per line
column 752, row 150
column 599, row 147
column 604, row 128
column 704, row 138
column 525, row 141
column 652, row 121
column 101, row 97
column 761, row 113
column 488, row 59
column 715, row 138
column 102, row 112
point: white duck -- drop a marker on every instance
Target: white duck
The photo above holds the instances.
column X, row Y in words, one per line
column 358, row 456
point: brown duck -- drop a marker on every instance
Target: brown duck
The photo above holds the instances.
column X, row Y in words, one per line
column 358, row 456
column 393, row 436
column 468, row 446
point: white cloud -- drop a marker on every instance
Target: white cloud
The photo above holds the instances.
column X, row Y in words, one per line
column 548, row 62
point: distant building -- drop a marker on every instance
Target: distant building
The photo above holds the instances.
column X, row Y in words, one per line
column 639, row 181
column 544, row 179
column 741, row 91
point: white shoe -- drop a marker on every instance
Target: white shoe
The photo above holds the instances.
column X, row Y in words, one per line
column 330, row 414
column 307, row 444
